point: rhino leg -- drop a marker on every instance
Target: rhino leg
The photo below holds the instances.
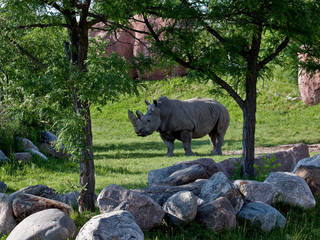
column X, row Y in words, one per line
column 186, row 137
column 217, row 142
column 169, row 143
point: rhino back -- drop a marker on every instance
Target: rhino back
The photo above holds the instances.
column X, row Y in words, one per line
column 197, row 115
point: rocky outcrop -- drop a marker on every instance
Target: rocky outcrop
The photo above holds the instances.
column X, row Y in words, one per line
column 309, row 85
column 114, row 225
column 147, row 212
column 50, row 224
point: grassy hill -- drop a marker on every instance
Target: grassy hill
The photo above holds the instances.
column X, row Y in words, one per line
column 123, row 158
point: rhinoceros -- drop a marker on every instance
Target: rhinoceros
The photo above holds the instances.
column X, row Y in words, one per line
column 183, row 120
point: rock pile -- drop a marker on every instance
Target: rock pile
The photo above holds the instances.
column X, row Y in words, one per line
column 206, row 196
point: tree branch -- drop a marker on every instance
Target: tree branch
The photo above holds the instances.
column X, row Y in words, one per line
column 28, row 54
column 274, row 54
column 41, row 25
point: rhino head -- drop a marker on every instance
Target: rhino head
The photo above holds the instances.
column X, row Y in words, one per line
column 145, row 125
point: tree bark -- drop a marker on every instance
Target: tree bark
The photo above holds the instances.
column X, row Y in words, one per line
column 78, row 53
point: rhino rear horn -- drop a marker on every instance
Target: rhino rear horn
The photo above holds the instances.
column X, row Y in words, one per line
column 146, row 102
column 139, row 114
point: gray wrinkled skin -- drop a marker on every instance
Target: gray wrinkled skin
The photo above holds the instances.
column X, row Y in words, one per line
column 183, row 120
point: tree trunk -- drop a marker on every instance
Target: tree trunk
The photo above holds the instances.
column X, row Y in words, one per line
column 249, row 122
column 78, row 52
column 87, row 179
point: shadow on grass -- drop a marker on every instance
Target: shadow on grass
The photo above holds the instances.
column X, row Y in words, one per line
column 150, row 149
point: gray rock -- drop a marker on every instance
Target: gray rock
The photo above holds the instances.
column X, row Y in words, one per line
column 288, row 159
column 161, row 193
column 262, row 215
column 3, row 187
column 70, row 199
column 220, row 186
column 147, row 212
column 110, row 226
column 217, row 215
column 159, row 176
column 39, row 190
column 311, row 175
column 308, row 162
column 48, row 137
column 26, row 144
column 23, row 156
column 254, row 191
column 181, row 207
column 37, row 153
column 292, row 189
column 3, row 157
column 185, row 176
column 7, row 221
column 24, row 205
column 50, row 224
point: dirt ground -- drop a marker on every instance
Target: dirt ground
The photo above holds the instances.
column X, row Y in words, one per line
column 259, row 150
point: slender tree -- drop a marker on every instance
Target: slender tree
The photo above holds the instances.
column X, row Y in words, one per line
column 230, row 42
column 69, row 77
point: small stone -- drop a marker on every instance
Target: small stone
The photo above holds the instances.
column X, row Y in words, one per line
column 23, row 156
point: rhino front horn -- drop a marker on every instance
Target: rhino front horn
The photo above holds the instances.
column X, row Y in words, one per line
column 132, row 118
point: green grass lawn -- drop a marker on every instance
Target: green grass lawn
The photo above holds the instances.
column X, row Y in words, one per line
column 123, row 158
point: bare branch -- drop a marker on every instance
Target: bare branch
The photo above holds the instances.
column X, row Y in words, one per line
column 269, row 58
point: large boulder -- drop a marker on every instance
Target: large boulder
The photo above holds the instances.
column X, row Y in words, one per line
column 114, row 225
column 186, row 175
column 147, row 212
column 3, row 187
column 160, row 176
column 309, row 85
column 262, row 215
column 309, row 170
column 41, row 191
column 7, row 221
column 217, row 215
column 26, row 144
column 292, row 189
column 48, row 145
column 24, row 205
column 309, row 162
column 255, row 191
column 160, row 193
column 181, row 207
column 220, row 186
column 286, row 159
column 23, row 156
column 50, row 224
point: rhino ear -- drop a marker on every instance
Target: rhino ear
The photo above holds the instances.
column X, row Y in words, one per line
column 155, row 102
column 146, row 102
